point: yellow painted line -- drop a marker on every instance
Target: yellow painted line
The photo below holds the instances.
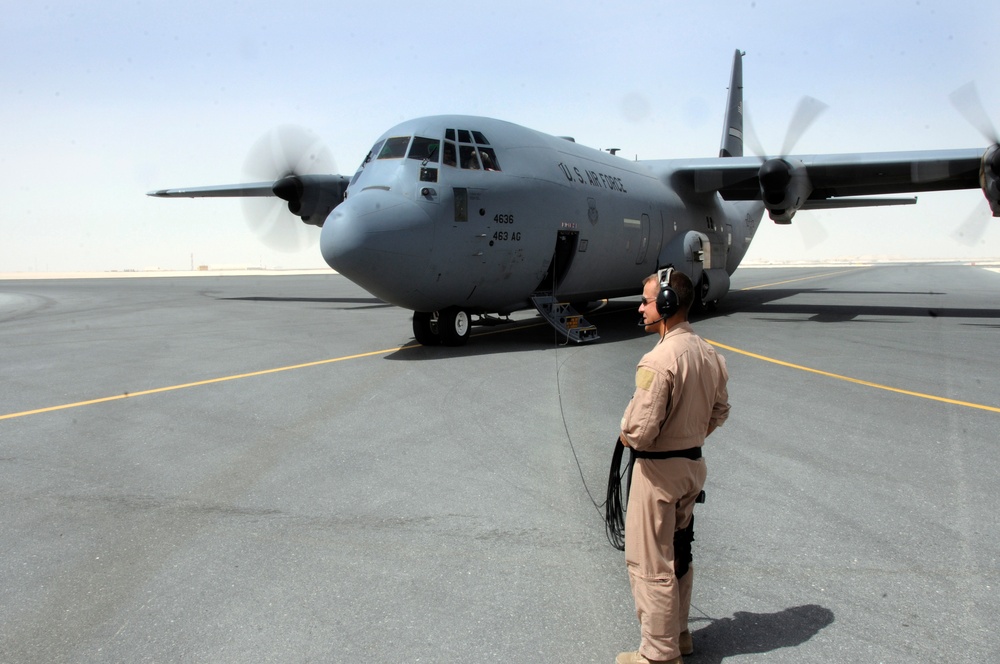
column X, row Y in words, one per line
column 857, row 381
column 223, row 379
column 129, row 395
column 814, row 276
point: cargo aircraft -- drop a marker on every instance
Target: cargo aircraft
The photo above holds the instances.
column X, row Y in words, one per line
column 461, row 218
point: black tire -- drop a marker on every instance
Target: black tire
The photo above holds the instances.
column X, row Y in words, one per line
column 426, row 328
column 454, row 325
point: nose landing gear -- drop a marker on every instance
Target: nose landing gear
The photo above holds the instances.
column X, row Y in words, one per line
column 450, row 327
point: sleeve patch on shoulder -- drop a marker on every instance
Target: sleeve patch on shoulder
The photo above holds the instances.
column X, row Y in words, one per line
column 644, row 378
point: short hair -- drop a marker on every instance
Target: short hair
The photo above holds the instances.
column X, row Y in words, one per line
column 681, row 284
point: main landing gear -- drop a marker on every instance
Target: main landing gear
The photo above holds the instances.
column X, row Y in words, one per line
column 450, row 327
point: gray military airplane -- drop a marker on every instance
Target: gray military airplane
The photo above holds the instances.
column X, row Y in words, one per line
column 458, row 218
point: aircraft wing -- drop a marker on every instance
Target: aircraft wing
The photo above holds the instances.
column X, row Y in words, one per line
column 787, row 184
column 226, row 190
column 310, row 197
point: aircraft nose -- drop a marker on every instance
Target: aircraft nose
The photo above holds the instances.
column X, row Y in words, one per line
column 381, row 241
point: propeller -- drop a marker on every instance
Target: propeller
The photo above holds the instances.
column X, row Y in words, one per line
column 967, row 101
column 806, row 112
column 969, row 104
column 775, row 173
column 283, row 151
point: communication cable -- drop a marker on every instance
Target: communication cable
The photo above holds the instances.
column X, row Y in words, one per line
column 599, row 506
column 569, row 438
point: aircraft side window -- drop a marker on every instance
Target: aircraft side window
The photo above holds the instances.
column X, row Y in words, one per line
column 450, row 154
column 371, row 154
column 480, row 138
column 424, row 149
column 470, row 157
column 394, row 148
column 489, row 158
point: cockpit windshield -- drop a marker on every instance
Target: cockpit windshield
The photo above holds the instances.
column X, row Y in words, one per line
column 394, row 148
column 461, row 148
column 425, row 149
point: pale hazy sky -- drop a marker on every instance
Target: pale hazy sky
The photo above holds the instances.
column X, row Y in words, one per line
column 103, row 102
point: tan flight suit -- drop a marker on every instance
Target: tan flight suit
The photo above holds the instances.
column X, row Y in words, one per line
column 680, row 391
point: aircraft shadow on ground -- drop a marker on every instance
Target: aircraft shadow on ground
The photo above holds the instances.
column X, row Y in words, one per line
column 770, row 302
column 751, row 633
column 619, row 320
column 371, row 302
column 615, row 322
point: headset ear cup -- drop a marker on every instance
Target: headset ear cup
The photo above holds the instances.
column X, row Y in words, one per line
column 667, row 302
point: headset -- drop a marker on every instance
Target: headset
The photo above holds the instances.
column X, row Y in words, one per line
column 667, row 301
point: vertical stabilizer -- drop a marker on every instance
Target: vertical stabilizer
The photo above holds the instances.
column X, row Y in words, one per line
column 732, row 130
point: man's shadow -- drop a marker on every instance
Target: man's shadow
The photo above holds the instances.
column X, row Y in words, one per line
column 747, row 633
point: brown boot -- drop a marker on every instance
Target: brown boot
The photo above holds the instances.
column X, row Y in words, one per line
column 635, row 658
column 686, row 643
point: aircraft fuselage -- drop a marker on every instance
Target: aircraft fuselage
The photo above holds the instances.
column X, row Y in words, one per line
column 480, row 214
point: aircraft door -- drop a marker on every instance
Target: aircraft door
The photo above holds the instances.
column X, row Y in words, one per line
column 562, row 257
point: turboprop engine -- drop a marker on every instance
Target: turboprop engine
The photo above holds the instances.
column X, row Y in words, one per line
column 312, row 197
column 989, row 177
column 784, row 188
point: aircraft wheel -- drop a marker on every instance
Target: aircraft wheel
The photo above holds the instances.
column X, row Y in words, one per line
column 455, row 326
column 426, row 328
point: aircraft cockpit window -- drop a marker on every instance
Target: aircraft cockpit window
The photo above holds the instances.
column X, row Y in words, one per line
column 450, row 158
column 470, row 157
column 371, row 153
column 474, row 156
column 425, row 149
column 489, row 158
column 394, row 148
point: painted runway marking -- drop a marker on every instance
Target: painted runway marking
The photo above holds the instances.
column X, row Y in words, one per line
column 856, row 381
column 223, row 379
column 815, row 276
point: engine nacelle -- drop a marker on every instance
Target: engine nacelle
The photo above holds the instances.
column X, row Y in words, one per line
column 784, row 188
column 312, row 197
column 989, row 177
column 714, row 285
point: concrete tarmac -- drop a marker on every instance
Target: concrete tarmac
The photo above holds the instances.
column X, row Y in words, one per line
column 267, row 469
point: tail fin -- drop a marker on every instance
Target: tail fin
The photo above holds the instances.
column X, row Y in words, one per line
column 732, row 137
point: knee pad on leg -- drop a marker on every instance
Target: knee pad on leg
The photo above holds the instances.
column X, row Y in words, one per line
column 682, row 549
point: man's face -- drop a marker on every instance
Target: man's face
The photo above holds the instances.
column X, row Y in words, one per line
column 650, row 316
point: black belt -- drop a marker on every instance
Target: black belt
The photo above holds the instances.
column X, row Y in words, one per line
column 693, row 453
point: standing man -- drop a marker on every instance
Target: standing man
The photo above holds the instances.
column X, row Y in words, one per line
column 680, row 398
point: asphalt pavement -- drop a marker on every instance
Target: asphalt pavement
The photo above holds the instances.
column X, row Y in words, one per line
column 269, row 469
